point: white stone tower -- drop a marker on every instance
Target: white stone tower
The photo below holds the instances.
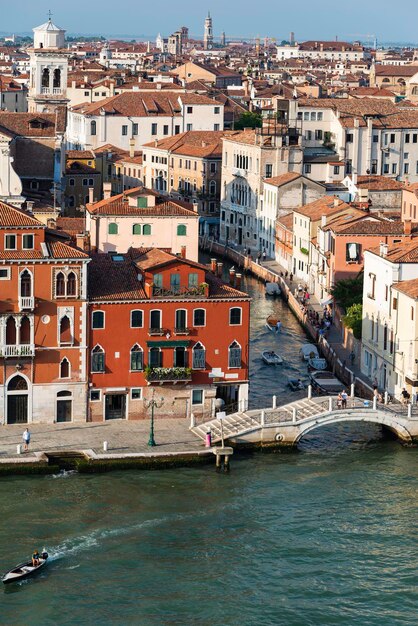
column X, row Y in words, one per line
column 208, row 36
column 105, row 55
column 48, row 68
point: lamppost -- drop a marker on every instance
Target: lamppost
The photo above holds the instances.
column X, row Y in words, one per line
column 154, row 404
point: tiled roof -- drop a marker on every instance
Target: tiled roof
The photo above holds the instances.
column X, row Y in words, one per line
column 408, row 287
column 396, row 70
column 286, row 221
column 367, row 225
column 400, row 252
column 71, row 225
column 79, row 154
column 379, row 183
column 327, row 205
column 283, row 179
column 24, row 124
column 201, row 143
column 117, row 205
column 10, row 216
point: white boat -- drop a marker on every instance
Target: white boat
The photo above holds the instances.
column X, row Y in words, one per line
column 326, row 382
column 273, row 289
column 271, row 358
column 309, row 351
column 271, row 324
column 317, row 363
column 25, row 570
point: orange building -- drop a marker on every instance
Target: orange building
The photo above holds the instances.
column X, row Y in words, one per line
column 43, row 330
column 165, row 325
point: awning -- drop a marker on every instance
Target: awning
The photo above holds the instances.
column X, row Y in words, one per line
column 168, row 344
column 326, row 301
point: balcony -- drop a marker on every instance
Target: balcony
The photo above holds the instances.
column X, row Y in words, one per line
column 173, row 375
column 157, row 332
column 180, row 292
column 17, row 350
column 26, row 303
column 182, row 330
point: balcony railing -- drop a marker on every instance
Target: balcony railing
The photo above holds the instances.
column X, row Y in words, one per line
column 168, row 374
column 184, row 292
column 26, row 303
column 17, row 350
column 182, row 330
column 157, row 331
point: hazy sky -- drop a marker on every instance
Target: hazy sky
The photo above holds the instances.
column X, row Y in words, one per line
column 308, row 19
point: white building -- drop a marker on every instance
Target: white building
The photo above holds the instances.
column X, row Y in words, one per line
column 323, row 50
column 136, row 118
column 389, row 332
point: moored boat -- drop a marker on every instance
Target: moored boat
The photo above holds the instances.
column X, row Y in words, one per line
column 317, row 363
column 24, row 570
column 273, row 289
column 271, row 358
column 309, row 351
column 272, row 322
column 295, row 384
column 326, row 382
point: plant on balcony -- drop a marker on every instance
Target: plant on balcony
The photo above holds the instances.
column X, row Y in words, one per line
column 167, row 373
column 304, row 251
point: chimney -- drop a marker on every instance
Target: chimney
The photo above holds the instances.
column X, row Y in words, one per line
column 183, row 252
column 238, row 278
column 29, row 206
column 195, row 206
column 213, row 265
column 82, row 241
column 232, row 277
column 407, row 227
column 220, row 266
column 336, row 201
column 323, row 221
column 91, row 195
column 131, row 148
column 107, row 190
column 383, row 249
column 159, row 86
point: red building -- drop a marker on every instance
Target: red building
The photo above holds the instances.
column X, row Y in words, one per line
column 165, row 325
column 43, row 322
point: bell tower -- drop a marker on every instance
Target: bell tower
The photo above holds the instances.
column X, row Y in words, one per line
column 48, row 68
column 208, row 35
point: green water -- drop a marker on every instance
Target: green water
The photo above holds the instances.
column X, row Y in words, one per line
column 323, row 536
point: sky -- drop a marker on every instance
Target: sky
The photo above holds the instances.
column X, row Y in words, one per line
column 322, row 19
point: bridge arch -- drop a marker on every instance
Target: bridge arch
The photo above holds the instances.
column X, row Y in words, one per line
column 382, row 418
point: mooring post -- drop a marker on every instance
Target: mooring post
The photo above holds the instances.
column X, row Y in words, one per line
column 309, row 392
column 263, row 418
column 226, row 463
column 330, row 404
column 295, row 414
column 105, row 444
column 374, row 403
column 192, row 420
column 218, row 462
column 409, row 411
column 352, row 390
column 274, row 402
column 386, row 397
column 19, row 449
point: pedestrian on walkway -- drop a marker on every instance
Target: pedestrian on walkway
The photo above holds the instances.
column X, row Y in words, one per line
column 405, row 396
column 259, row 256
column 264, row 254
column 291, row 277
column 344, row 397
column 26, row 439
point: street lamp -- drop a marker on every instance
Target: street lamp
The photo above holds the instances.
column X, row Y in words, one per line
column 153, row 404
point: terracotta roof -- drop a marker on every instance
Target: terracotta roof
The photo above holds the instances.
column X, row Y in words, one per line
column 79, row 154
column 366, row 225
column 57, row 250
column 405, row 252
column 10, row 216
column 283, row 179
column 71, row 225
column 117, row 205
column 379, row 183
column 396, row 70
column 286, row 221
column 201, row 143
column 327, row 205
column 33, row 124
column 408, row 287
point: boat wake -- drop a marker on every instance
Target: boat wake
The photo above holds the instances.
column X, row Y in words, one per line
column 63, row 474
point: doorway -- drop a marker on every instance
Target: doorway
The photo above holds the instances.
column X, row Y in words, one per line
column 17, row 401
column 115, row 406
column 64, row 406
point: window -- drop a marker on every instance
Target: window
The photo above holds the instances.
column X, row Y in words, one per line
column 65, row 331
column 137, row 359
column 394, row 303
column 199, row 317
column 98, row 360
column 307, row 168
column 414, row 138
column 406, row 168
column 180, row 357
column 27, row 242
column 136, row 229
column 95, row 395
column 313, row 116
column 234, row 356
column 193, row 279
column 5, row 273
column 85, row 182
column 155, row 357
column 217, row 110
column 212, row 188
column 136, row 393
column 134, row 129
column 155, row 320
column 352, row 252
column 189, row 109
column 98, row 320
column 60, row 285
column 213, row 167
column 93, row 127
column 181, row 230
column 386, row 168
column 124, row 129
column 198, row 357
column 318, row 135
column 320, row 116
column 71, row 284
column 137, row 319
column 372, row 279
column 392, row 138
column 10, row 242
column 91, row 182
column 197, row 396
column 146, row 229
column 412, row 313
column 385, row 337
column 216, row 127
column 349, row 138
column 336, row 170
column 65, row 368
column 269, row 170
column 71, row 182
column 235, row 316
column 113, row 228
column 153, row 129
column 189, row 127
column 180, row 322
column 306, row 116
column 165, row 129
column 394, row 167
column 176, row 129
column 375, row 138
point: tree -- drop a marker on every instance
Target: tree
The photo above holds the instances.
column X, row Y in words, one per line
column 348, row 291
column 248, row 120
column 353, row 319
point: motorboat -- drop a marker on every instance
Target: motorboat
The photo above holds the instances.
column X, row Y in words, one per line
column 295, row 384
column 326, row 382
column 317, row 363
column 271, row 324
column 309, row 351
column 273, row 289
column 25, row 570
column 271, row 358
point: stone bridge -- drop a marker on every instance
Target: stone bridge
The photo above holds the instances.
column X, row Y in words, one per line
column 286, row 425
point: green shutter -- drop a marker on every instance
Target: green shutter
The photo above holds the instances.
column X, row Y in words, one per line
column 142, row 203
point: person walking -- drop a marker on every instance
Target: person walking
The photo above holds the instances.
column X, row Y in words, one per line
column 26, row 439
column 344, row 397
column 264, row 254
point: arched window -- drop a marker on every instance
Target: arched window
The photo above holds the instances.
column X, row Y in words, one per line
column 25, row 330
column 57, row 78
column 146, row 229
column 415, row 91
column 199, row 356
column 181, row 230
column 17, row 383
column 137, row 359
column 212, row 187
column 98, row 319
column 71, row 201
column 98, row 360
column 11, row 333
column 45, row 78
column 65, row 330
column 60, row 285
column 71, row 284
column 155, row 357
column 235, row 316
column 180, row 321
column 234, row 356
column 113, row 229
column 136, row 229
column 92, row 127
column 65, row 368
column 25, row 284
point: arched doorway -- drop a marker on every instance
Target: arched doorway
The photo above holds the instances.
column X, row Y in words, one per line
column 17, row 400
column 64, row 406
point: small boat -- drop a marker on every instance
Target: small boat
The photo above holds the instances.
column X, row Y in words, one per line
column 24, row 570
column 295, row 384
column 273, row 289
column 317, row 363
column 271, row 323
column 326, row 382
column 271, row 358
column 309, row 351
